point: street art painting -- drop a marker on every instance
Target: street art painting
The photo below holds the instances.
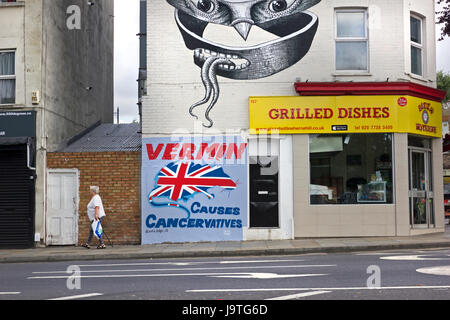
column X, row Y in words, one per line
column 194, row 189
column 288, row 20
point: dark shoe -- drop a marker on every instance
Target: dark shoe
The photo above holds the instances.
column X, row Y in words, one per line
column 101, row 246
column 86, row 246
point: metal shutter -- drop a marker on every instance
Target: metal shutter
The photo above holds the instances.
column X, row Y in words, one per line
column 17, row 187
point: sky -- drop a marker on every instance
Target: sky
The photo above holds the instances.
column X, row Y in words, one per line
column 127, row 58
column 443, row 50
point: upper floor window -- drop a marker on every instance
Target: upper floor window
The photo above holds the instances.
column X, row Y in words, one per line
column 352, row 40
column 416, row 45
column 7, row 77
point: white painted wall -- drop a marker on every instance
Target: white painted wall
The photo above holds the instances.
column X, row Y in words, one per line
column 174, row 82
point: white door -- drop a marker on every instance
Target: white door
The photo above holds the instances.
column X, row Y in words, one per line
column 62, row 207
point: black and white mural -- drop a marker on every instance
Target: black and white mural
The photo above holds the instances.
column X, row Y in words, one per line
column 289, row 20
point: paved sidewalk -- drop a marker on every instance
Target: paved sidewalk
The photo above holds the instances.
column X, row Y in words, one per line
column 248, row 248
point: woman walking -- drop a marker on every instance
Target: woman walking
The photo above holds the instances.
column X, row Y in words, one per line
column 95, row 212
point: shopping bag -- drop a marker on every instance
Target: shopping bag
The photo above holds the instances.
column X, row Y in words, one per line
column 97, row 229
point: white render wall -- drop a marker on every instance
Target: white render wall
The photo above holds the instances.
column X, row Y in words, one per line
column 174, row 82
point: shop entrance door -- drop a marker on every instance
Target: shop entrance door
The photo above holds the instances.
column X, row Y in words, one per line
column 420, row 189
column 264, row 195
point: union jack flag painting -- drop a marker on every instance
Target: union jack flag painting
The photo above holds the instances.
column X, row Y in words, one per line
column 180, row 181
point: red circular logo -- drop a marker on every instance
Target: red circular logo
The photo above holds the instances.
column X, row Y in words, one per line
column 402, row 101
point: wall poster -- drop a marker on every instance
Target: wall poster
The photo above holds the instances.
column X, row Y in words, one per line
column 194, row 189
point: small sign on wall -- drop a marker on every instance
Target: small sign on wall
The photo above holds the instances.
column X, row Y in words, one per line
column 35, row 97
column 17, row 124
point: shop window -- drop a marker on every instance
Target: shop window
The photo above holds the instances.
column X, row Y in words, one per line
column 352, row 40
column 351, row 169
column 416, row 46
column 7, row 77
column 419, row 142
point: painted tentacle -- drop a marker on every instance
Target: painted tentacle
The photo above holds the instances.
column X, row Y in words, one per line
column 212, row 75
column 206, row 83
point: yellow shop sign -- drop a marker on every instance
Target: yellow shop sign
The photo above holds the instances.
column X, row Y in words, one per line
column 352, row 114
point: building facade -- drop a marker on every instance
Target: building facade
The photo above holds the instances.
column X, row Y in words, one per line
column 317, row 119
column 56, row 80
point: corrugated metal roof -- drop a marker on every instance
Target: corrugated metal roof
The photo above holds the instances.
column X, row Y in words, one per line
column 108, row 138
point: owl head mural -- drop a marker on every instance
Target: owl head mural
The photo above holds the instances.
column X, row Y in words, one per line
column 288, row 20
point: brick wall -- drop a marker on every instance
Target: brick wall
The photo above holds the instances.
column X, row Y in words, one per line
column 118, row 176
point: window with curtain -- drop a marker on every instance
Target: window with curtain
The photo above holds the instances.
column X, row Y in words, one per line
column 7, row 77
column 352, row 40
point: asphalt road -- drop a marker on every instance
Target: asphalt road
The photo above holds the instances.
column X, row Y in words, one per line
column 405, row 275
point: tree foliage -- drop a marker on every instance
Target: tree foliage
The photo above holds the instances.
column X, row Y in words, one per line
column 443, row 83
column 443, row 17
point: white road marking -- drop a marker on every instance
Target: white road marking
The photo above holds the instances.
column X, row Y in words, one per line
column 148, row 275
column 437, row 271
column 258, row 261
column 9, row 293
column 82, row 296
column 316, row 289
column 186, row 263
column 299, row 295
column 413, row 258
column 191, row 269
column 269, row 276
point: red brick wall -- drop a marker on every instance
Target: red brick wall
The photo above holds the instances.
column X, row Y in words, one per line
column 118, row 176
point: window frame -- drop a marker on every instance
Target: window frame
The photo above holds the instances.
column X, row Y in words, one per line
column 11, row 76
column 417, row 45
column 365, row 39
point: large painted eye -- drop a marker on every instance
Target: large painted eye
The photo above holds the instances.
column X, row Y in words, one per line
column 207, row 6
column 280, row 5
